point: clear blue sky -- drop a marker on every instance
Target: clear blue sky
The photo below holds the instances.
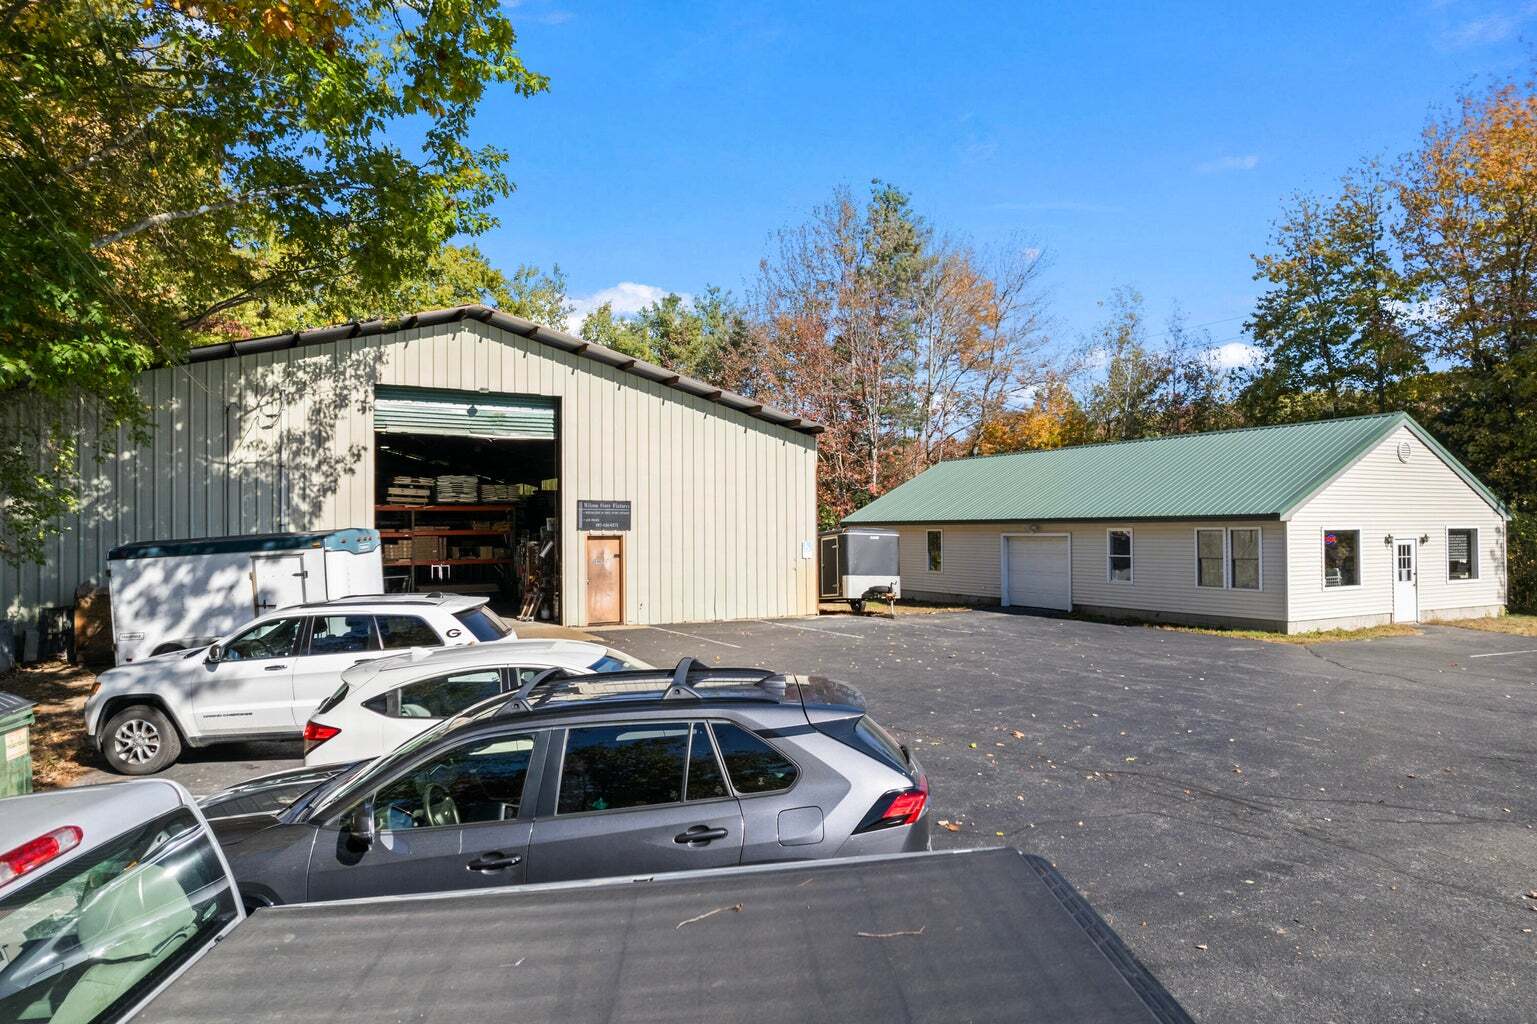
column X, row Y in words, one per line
column 1144, row 147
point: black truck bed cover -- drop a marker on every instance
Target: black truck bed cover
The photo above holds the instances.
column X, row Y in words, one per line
column 985, row 935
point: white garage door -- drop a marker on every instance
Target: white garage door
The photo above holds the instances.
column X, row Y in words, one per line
column 1040, row 573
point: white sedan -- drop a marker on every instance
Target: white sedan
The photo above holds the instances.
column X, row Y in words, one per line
column 383, row 703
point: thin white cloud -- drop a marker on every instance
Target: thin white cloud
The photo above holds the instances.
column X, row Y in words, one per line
column 979, row 152
column 625, row 298
column 1492, row 28
column 1223, row 164
column 978, row 141
column 1235, row 354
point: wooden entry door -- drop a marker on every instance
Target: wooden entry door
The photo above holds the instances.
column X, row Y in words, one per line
column 605, row 581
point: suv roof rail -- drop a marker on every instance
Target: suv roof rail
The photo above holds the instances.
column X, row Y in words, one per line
column 681, row 682
column 389, row 599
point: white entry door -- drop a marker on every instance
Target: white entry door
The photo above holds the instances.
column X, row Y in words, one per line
column 1406, row 595
column 1038, row 573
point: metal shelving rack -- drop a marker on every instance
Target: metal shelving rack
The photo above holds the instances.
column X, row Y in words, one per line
column 415, row 529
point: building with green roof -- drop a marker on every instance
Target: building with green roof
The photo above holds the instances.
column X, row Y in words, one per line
column 1331, row 524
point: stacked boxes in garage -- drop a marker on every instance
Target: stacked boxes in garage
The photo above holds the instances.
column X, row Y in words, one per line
column 396, row 551
column 428, row 549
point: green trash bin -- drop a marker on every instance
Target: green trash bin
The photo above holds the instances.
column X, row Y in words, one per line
column 16, row 737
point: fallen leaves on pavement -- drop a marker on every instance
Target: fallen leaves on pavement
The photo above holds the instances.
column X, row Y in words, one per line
column 737, row 908
column 890, row 935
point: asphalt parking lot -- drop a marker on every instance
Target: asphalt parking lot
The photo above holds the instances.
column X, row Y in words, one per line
column 1338, row 832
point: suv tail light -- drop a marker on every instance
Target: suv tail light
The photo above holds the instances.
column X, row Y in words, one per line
column 899, row 807
column 315, row 734
column 32, row 855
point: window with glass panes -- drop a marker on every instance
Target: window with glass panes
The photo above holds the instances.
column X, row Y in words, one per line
column 1342, row 558
column 1118, row 554
column 1462, row 554
column 1208, row 558
column 1243, row 558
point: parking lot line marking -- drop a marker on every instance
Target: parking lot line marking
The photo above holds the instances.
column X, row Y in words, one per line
column 915, row 621
column 1503, row 654
column 809, row 629
column 695, row 636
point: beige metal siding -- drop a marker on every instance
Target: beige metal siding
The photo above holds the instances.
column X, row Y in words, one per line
column 1381, row 496
column 1163, row 568
column 284, row 441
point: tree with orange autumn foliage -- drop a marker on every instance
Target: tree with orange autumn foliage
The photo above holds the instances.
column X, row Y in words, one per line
column 902, row 345
column 1052, row 419
column 1469, row 237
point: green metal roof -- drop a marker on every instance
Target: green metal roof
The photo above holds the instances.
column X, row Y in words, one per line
column 1253, row 473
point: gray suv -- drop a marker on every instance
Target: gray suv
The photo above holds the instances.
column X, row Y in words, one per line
column 583, row 777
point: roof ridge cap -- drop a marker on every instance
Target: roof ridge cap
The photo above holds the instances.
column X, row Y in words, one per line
column 556, row 337
column 1171, row 437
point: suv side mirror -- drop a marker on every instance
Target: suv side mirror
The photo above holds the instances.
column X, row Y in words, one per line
column 359, row 823
column 215, row 654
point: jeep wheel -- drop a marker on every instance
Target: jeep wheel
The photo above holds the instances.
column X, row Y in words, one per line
column 140, row 740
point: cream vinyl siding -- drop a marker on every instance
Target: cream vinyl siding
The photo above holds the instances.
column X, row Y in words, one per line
column 1379, row 495
column 1163, row 567
column 283, row 441
column 968, row 567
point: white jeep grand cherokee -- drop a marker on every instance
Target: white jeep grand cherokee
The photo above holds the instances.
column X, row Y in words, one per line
column 264, row 680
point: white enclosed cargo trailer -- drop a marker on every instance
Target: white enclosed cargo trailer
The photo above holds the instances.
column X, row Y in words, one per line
column 169, row 595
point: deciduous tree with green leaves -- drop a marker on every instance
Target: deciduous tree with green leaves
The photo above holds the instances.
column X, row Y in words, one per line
column 703, row 337
column 455, row 275
column 1122, row 404
column 1334, row 325
column 167, row 164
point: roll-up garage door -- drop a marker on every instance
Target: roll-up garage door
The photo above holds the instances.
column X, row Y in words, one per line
column 1040, row 573
column 463, row 414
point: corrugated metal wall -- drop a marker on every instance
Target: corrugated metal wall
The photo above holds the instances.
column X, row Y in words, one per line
column 284, row 441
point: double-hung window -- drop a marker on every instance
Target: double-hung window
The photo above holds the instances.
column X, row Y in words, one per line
column 1228, row 558
column 1462, row 554
column 1118, row 556
column 1209, row 553
column 1243, row 558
